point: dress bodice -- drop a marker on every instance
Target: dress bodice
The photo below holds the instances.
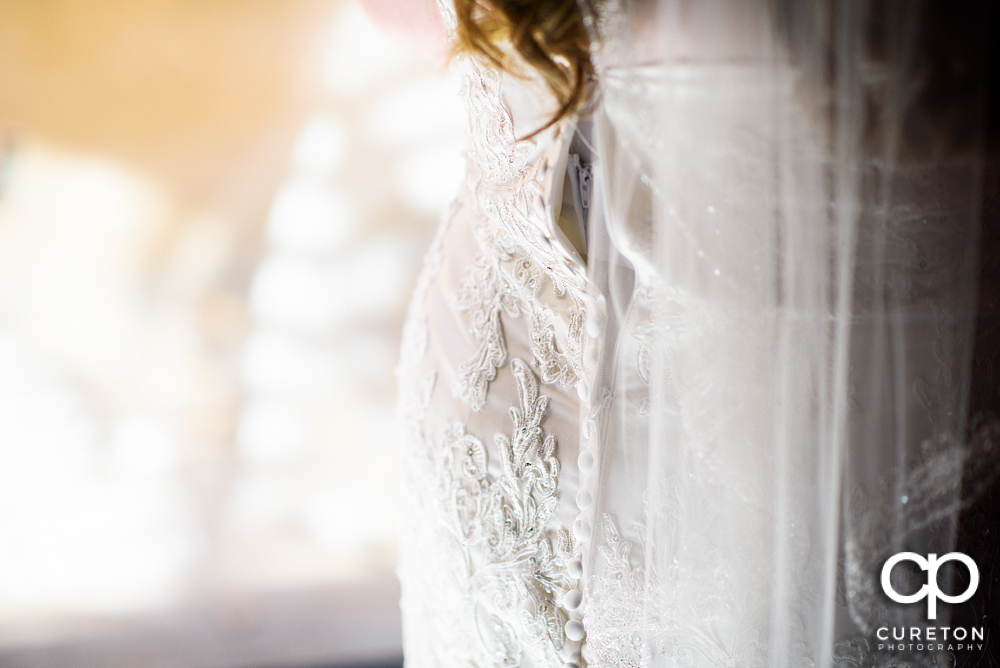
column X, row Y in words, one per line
column 516, row 180
column 491, row 375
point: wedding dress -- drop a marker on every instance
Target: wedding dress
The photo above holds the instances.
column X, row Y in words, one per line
column 491, row 372
column 676, row 406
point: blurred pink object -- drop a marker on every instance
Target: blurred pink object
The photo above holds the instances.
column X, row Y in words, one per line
column 415, row 23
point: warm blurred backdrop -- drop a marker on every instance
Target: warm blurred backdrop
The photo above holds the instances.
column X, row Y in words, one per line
column 211, row 215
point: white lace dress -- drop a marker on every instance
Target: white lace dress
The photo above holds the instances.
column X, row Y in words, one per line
column 766, row 353
column 490, row 381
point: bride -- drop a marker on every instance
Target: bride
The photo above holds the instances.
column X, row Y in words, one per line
column 690, row 355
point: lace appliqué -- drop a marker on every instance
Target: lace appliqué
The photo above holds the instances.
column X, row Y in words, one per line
column 515, row 179
column 509, row 187
column 484, row 295
column 626, row 628
column 614, row 637
column 448, row 16
column 553, row 365
column 495, row 147
column 520, row 217
column 510, row 571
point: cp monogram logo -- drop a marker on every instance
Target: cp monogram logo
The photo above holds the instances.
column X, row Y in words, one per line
column 930, row 590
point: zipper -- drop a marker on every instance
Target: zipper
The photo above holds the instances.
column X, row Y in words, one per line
column 581, row 177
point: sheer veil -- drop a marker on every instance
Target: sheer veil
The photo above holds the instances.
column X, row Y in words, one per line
column 788, row 245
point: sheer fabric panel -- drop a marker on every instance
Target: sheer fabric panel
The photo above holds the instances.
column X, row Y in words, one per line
column 789, row 253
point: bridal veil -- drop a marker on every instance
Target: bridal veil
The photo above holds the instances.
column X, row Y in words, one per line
column 789, row 251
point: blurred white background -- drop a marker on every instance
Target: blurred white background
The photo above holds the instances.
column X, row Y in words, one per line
column 211, row 216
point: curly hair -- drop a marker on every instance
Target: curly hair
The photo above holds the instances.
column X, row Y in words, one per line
column 549, row 36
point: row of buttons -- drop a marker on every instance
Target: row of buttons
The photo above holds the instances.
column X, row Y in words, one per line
column 582, row 530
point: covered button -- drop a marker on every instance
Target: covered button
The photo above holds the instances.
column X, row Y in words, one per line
column 574, row 630
column 572, row 599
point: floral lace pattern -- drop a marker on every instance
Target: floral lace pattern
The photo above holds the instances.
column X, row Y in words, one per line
column 484, row 551
column 623, row 634
column 509, row 563
column 484, row 295
column 504, row 565
column 553, row 365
